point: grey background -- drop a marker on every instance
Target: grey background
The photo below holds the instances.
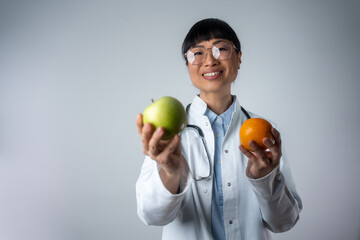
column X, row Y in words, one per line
column 74, row 74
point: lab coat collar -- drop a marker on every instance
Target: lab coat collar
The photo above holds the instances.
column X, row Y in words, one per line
column 200, row 106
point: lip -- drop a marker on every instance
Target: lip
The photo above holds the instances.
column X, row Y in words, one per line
column 216, row 76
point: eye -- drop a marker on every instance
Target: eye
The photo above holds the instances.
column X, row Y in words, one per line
column 223, row 46
column 197, row 51
column 223, row 49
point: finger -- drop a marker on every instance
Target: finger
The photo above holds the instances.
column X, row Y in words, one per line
column 276, row 136
column 154, row 142
column 269, row 144
column 272, row 146
column 253, row 157
column 246, row 152
column 173, row 146
column 252, row 160
column 139, row 123
column 178, row 149
column 146, row 134
column 275, row 152
column 169, row 150
column 259, row 153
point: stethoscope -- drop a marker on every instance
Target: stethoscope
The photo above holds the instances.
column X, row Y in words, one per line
column 200, row 133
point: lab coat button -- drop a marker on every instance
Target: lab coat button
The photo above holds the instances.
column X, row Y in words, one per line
column 226, row 151
column 228, row 184
column 206, row 124
column 205, row 191
column 230, row 222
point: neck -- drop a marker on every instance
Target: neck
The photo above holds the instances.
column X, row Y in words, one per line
column 217, row 103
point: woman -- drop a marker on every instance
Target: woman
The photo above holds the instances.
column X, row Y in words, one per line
column 216, row 189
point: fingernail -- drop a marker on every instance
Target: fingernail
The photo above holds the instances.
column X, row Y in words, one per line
column 268, row 142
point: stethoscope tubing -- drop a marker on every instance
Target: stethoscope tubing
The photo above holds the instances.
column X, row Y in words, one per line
column 202, row 136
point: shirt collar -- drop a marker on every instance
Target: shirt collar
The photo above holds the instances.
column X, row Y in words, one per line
column 227, row 115
column 211, row 115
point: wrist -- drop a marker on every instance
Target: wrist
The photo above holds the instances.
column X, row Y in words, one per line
column 171, row 180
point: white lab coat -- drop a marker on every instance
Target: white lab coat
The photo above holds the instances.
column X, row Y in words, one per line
column 252, row 207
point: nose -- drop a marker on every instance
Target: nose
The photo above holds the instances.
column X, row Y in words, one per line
column 210, row 60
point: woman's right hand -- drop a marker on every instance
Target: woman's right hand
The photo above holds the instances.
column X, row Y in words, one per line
column 167, row 153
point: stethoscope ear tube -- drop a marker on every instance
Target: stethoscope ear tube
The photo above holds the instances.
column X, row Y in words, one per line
column 246, row 113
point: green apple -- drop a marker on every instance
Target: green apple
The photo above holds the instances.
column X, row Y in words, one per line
column 166, row 112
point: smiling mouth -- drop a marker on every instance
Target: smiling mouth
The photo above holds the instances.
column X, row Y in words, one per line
column 211, row 74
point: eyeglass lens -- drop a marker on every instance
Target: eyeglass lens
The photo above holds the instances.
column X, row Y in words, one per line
column 221, row 51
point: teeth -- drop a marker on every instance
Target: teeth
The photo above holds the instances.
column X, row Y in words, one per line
column 211, row 74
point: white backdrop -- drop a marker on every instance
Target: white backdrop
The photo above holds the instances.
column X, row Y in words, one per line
column 74, row 74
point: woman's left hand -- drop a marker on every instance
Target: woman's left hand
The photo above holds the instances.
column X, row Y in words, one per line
column 262, row 162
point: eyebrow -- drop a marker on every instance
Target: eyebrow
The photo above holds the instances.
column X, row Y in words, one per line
column 214, row 43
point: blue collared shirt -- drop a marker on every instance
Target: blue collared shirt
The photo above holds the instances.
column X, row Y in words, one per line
column 219, row 125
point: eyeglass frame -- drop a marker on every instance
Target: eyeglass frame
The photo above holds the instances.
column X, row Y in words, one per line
column 206, row 51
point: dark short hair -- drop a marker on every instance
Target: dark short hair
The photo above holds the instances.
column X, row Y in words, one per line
column 208, row 29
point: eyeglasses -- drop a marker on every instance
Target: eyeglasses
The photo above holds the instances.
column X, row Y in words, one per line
column 221, row 50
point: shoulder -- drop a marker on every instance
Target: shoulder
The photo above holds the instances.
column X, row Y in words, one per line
column 250, row 114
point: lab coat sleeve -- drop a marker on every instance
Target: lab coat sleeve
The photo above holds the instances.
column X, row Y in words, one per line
column 279, row 202
column 155, row 204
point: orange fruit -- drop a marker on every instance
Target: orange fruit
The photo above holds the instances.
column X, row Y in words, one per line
column 255, row 129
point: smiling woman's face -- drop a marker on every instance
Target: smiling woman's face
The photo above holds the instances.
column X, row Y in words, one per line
column 213, row 75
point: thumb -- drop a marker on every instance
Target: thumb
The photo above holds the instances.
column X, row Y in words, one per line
column 139, row 123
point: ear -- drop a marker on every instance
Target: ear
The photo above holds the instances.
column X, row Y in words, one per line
column 239, row 59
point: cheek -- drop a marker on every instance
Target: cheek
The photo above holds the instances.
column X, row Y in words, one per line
column 233, row 70
column 232, row 74
column 193, row 73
